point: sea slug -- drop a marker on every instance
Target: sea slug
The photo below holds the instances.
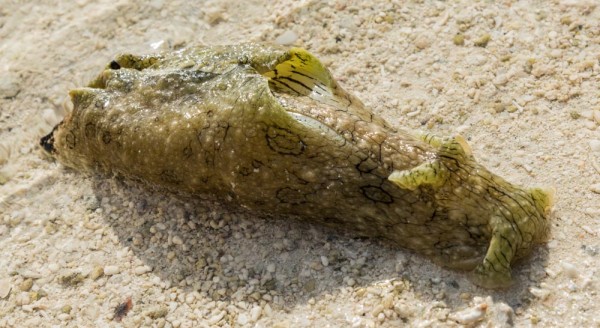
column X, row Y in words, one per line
column 268, row 128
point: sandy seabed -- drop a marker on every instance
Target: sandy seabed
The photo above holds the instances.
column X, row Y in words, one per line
column 519, row 79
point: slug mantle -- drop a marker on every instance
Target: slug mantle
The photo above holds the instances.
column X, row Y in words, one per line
column 269, row 129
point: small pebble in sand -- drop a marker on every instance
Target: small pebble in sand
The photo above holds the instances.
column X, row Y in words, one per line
column 5, row 287
column 53, row 267
column 140, row 270
column 422, row 42
column 570, row 269
column 242, row 319
column 591, row 250
column 66, row 309
column 36, row 295
column 483, row 40
column 96, row 273
column 459, row 40
column 63, row 317
column 255, row 313
column 71, row 279
column 177, row 240
column 110, row 270
column 23, row 299
column 539, row 293
column 469, row 315
column 26, row 285
column 159, row 312
column 8, row 85
column 286, row 38
column 574, row 114
column 595, row 146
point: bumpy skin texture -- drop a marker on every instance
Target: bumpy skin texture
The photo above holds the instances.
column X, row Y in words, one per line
column 269, row 129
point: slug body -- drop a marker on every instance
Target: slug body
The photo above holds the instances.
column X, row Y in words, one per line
column 269, row 129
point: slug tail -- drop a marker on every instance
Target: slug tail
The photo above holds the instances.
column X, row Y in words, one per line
column 543, row 197
column 517, row 217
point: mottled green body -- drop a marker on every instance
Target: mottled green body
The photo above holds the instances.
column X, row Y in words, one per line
column 269, row 129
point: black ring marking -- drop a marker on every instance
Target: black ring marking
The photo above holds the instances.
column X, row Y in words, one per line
column 106, row 137
column 285, row 142
column 377, row 194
